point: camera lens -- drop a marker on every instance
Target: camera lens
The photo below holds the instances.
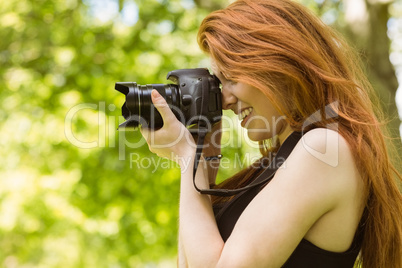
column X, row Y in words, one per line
column 138, row 108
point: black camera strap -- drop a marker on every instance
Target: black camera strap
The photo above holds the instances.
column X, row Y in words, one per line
column 283, row 153
column 202, row 130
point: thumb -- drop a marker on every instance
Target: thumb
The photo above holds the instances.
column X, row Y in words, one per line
column 161, row 105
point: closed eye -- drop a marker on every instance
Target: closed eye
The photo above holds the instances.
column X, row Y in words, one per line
column 228, row 80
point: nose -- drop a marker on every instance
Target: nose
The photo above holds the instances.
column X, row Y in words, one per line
column 228, row 99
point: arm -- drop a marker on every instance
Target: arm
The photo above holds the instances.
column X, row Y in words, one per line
column 273, row 224
column 181, row 259
column 307, row 194
column 174, row 141
column 197, row 226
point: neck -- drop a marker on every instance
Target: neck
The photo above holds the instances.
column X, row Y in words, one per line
column 284, row 133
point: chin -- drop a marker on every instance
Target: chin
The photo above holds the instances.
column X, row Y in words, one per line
column 258, row 136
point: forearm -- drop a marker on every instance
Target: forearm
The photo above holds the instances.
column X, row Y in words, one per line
column 211, row 169
column 199, row 234
column 212, row 147
column 181, row 258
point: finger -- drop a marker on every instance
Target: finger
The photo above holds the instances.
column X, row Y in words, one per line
column 162, row 106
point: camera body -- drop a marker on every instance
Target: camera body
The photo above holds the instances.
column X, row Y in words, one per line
column 194, row 97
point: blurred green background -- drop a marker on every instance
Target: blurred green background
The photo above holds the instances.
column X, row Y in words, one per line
column 74, row 192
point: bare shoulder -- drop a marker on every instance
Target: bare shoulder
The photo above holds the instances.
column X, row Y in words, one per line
column 323, row 169
column 311, row 196
column 321, row 163
column 324, row 154
column 324, row 161
column 325, row 147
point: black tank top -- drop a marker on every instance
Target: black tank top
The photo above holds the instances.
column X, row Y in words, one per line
column 306, row 254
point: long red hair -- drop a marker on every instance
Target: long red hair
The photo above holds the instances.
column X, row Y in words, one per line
column 303, row 66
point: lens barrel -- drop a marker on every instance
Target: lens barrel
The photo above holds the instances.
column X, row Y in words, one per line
column 138, row 108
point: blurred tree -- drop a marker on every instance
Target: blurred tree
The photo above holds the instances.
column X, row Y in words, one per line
column 365, row 24
column 73, row 191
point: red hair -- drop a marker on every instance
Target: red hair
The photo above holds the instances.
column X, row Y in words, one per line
column 303, row 66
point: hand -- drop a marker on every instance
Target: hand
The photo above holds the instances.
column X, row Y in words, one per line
column 173, row 140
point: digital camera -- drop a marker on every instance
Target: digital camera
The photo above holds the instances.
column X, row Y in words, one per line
column 194, row 97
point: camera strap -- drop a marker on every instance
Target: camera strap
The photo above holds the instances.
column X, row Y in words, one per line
column 283, row 153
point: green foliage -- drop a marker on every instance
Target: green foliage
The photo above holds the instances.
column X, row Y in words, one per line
column 70, row 196
column 75, row 192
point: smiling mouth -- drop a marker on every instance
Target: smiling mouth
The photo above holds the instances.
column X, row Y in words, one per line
column 245, row 113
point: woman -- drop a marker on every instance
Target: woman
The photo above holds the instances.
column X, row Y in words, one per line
column 284, row 73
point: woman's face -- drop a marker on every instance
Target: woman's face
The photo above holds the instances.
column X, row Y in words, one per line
column 254, row 109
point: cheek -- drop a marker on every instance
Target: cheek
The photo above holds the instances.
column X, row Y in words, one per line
column 265, row 125
column 267, row 111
